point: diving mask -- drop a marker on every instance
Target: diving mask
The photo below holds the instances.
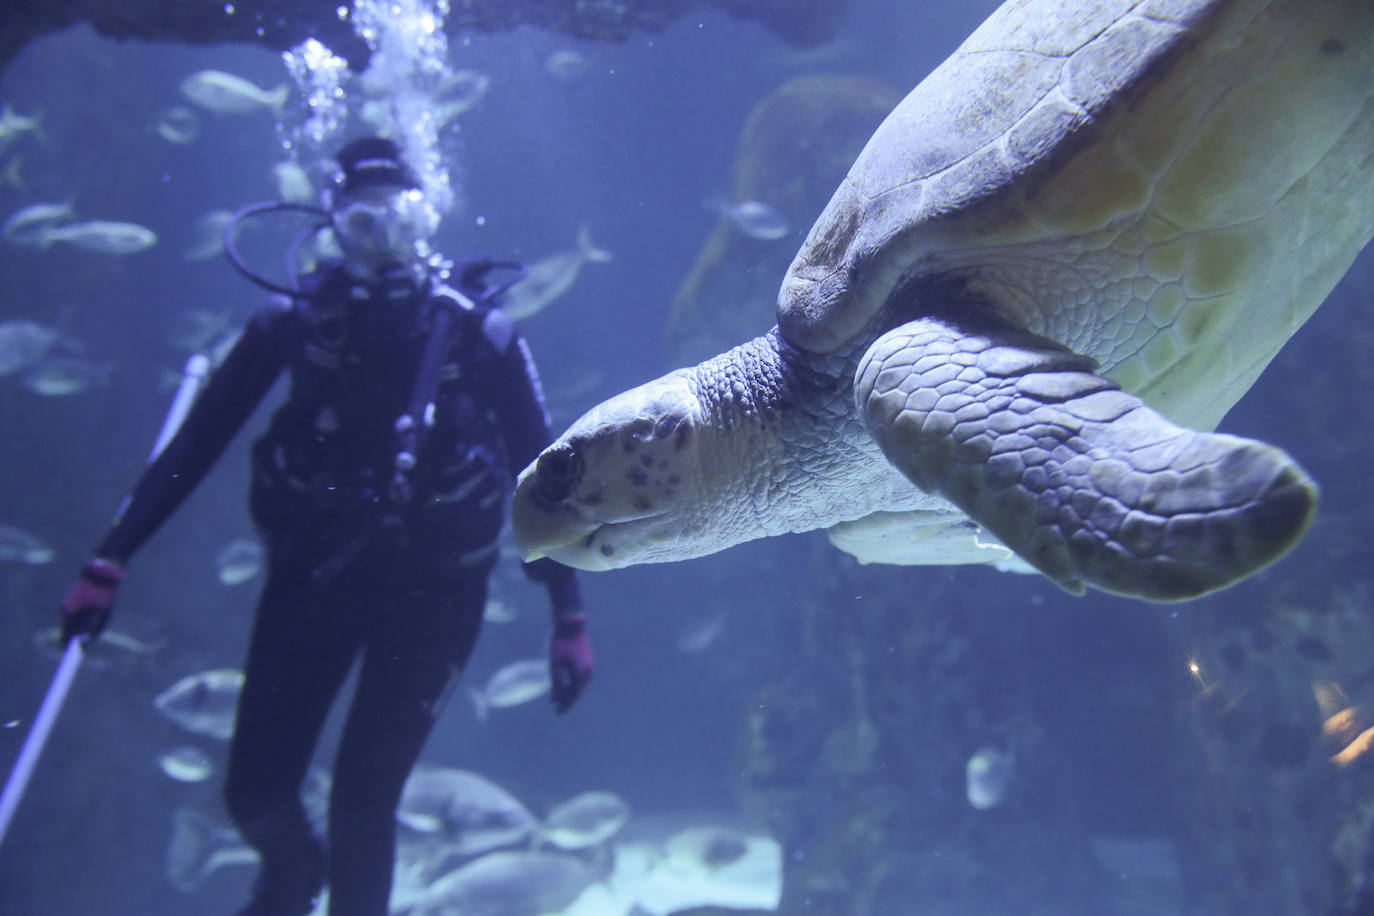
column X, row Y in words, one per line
column 383, row 224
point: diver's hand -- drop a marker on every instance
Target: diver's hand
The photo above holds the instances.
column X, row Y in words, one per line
column 570, row 660
column 86, row 609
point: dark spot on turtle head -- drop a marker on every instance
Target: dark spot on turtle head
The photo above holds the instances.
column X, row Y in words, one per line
column 629, row 445
column 642, row 502
column 646, row 460
column 637, row 477
column 665, row 427
column 682, row 435
column 607, row 550
column 593, row 499
column 674, row 480
column 1331, row 47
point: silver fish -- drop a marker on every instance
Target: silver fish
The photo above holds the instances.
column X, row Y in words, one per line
column 12, row 174
column 59, row 376
column 565, row 64
column 465, row 812
column 178, row 124
column 113, row 650
column 19, row 546
column 206, row 239
column 498, row 611
column 102, row 235
column 459, row 92
column 229, row 94
column 699, row 631
column 293, row 184
column 25, row 226
column 516, row 683
column 199, row 847
column 987, row 775
column 23, row 343
column 13, row 125
column 203, row 703
column 239, row 561
column 186, row 764
column 754, row 218
column 195, row 329
column 585, row 820
column 551, row 277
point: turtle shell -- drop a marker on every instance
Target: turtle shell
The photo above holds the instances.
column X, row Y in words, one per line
column 1168, row 187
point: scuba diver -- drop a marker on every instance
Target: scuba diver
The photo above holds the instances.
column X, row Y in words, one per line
column 379, row 490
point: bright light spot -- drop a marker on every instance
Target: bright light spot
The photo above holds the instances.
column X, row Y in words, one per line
column 228, row 9
column 342, row 12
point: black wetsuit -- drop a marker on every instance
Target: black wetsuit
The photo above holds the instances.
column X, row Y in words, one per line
column 355, row 566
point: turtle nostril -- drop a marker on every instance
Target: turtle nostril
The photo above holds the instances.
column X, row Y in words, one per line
column 558, row 473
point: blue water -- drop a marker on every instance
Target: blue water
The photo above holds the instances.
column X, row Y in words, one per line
column 632, row 148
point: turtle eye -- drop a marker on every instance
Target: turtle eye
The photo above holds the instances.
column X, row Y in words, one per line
column 558, row 473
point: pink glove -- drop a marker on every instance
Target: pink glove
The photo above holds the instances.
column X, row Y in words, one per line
column 570, row 660
column 86, row 609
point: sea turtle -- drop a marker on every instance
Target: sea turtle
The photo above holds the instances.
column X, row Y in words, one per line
column 1096, row 220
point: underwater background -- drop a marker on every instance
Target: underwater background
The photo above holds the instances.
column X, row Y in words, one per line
column 833, row 705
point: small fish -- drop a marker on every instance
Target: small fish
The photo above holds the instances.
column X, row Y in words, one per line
column 195, row 329
column 186, row 764
column 13, row 125
column 18, row 546
column 206, row 239
column 11, row 176
column 516, row 683
column 293, row 184
column 754, row 218
column 102, row 235
column 26, row 226
column 987, row 775
column 551, row 277
column 239, row 561
column 565, row 64
column 226, row 93
column 698, row 631
column 23, row 343
column 113, row 650
column 585, row 820
column 460, row 92
column 59, row 376
column 178, row 124
column 498, row 611
column 466, row 812
column 199, row 847
column 203, row 703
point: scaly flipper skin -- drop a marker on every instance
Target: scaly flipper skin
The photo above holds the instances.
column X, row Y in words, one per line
column 1082, row 480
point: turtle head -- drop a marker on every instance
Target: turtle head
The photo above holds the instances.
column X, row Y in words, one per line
column 615, row 489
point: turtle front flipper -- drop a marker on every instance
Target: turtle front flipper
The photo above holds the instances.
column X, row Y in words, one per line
column 1082, row 480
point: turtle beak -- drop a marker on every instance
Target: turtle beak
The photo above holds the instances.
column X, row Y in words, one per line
column 549, row 529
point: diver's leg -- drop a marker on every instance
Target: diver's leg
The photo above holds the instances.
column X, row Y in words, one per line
column 298, row 656
column 411, row 657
